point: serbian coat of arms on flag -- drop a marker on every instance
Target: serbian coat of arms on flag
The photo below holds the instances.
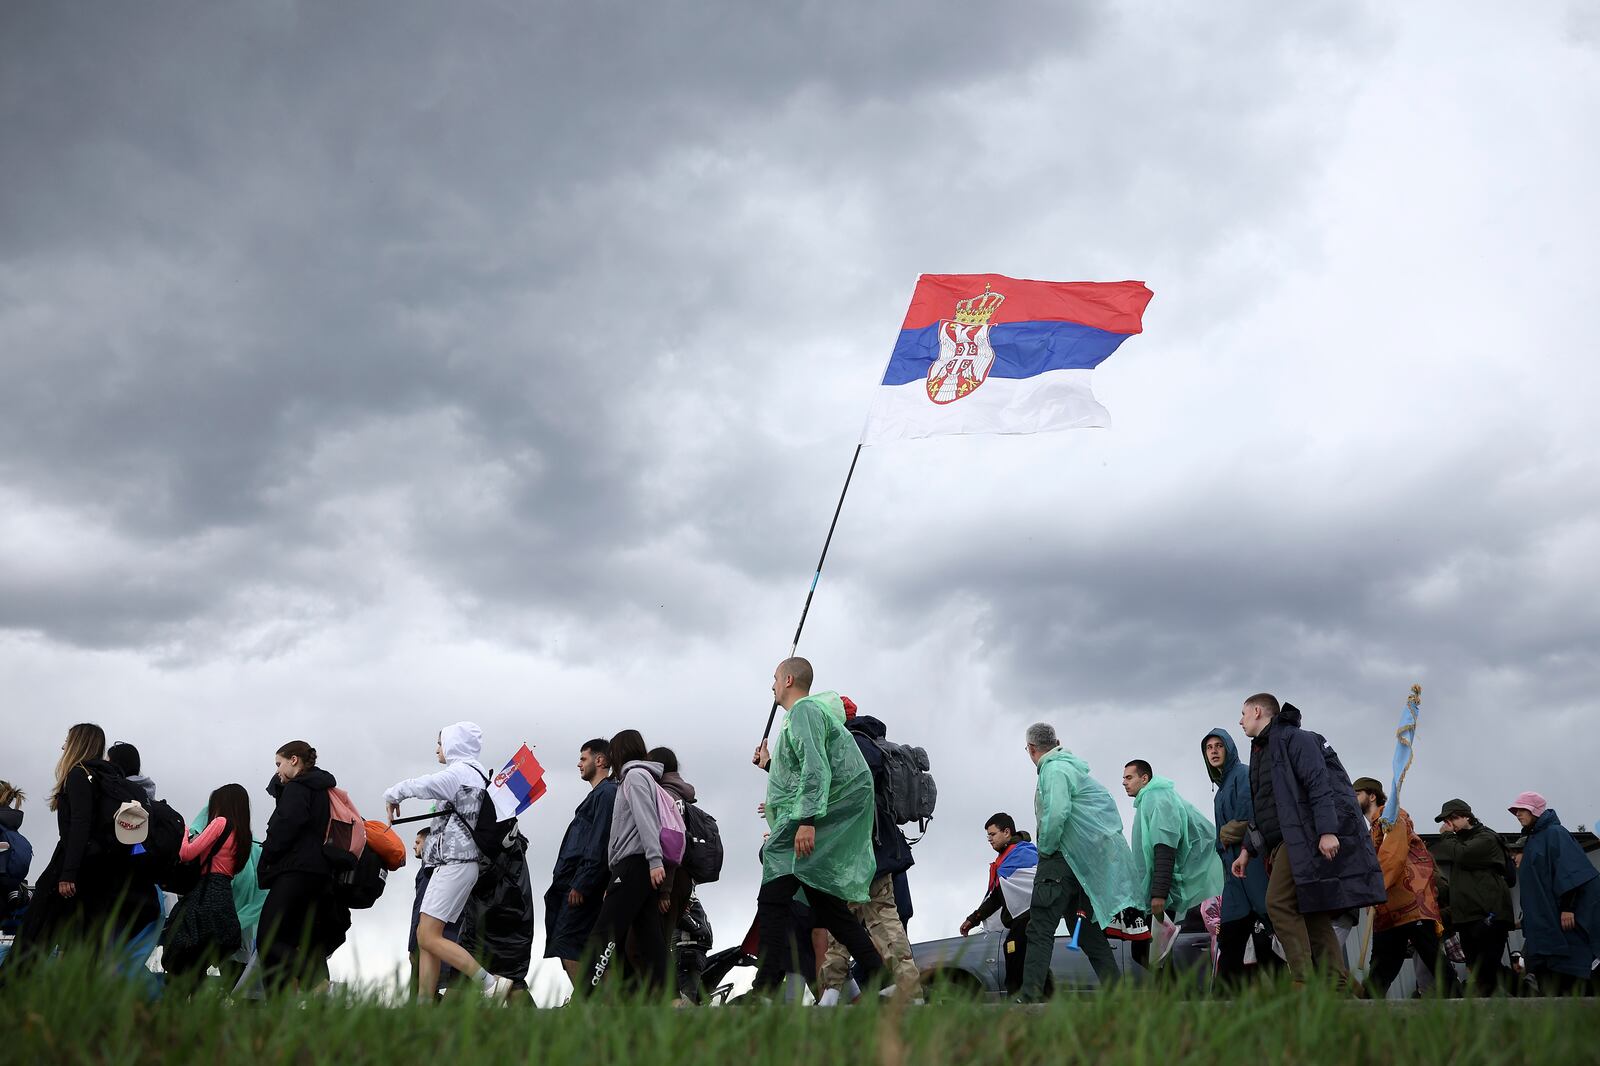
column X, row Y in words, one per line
column 984, row 353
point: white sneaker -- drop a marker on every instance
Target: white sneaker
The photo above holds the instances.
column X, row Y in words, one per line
column 497, row 989
column 829, row 998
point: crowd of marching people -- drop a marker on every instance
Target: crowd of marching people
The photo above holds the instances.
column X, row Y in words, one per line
column 1279, row 875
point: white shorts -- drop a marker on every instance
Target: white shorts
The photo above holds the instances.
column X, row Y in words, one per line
column 448, row 889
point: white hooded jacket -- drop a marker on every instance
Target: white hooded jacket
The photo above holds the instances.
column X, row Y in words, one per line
column 459, row 784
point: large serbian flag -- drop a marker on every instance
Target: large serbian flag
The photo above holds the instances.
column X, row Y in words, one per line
column 984, row 353
column 519, row 783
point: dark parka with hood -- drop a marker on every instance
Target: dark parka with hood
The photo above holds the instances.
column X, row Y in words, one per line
column 1557, row 876
column 1240, row 898
column 1298, row 771
column 18, row 856
column 297, row 828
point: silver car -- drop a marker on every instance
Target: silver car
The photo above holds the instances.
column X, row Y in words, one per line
column 974, row 966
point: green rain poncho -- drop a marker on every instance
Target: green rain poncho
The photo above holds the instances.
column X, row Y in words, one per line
column 1161, row 816
column 817, row 772
column 1077, row 819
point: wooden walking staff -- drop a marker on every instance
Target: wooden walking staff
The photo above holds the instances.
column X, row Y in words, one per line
column 815, row 577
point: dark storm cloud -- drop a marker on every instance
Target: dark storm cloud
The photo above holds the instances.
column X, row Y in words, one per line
column 238, row 235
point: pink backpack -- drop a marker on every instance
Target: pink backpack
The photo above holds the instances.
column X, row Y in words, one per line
column 346, row 837
column 673, row 836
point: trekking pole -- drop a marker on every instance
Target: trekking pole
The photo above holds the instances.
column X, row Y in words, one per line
column 442, row 812
column 815, row 577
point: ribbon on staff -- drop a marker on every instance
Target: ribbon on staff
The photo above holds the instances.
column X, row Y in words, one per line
column 1403, row 740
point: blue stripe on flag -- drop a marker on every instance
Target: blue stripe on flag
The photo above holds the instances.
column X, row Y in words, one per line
column 1021, row 350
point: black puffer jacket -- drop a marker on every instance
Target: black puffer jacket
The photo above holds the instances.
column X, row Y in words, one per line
column 298, row 825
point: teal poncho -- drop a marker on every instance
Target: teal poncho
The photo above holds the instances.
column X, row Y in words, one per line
column 1077, row 819
column 1161, row 816
column 817, row 772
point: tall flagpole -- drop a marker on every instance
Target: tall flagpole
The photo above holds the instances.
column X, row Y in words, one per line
column 815, row 577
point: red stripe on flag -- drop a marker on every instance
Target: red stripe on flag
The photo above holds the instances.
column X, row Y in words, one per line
column 1114, row 306
column 527, row 765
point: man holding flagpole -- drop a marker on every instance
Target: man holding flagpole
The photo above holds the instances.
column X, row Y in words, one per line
column 820, row 809
column 1410, row 916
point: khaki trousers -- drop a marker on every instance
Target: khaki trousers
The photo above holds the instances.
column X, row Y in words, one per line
column 882, row 920
column 1308, row 939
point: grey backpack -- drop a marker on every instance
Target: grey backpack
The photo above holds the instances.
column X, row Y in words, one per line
column 908, row 783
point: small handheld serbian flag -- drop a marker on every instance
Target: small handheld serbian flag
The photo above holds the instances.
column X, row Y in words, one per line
column 984, row 353
column 518, row 784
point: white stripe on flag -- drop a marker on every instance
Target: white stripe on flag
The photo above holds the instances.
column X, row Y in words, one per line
column 1057, row 399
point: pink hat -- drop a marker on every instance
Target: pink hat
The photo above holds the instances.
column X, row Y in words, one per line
column 1531, row 802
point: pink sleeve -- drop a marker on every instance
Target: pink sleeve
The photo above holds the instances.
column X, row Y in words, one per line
column 193, row 848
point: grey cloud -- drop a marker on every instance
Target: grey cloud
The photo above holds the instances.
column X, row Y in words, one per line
column 234, row 238
column 1467, row 573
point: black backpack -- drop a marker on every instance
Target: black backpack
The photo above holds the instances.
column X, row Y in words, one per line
column 702, row 851
column 360, row 887
column 908, row 786
column 157, row 857
column 492, row 835
column 161, row 855
column 167, row 833
column 111, row 790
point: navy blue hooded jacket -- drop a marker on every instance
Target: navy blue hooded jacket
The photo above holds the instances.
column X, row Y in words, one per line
column 1240, row 898
column 889, row 846
column 16, row 859
column 1313, row 796
column 581, row 863
column 1555, row 876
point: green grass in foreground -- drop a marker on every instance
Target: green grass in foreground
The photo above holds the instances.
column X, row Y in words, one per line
column 68, row 1016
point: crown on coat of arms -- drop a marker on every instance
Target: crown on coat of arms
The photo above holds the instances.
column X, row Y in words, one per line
column 977, row 311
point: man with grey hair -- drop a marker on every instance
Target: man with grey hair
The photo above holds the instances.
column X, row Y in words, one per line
column 1085, row 865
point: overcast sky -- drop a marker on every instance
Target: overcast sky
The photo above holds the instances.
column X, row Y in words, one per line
column 372, row 366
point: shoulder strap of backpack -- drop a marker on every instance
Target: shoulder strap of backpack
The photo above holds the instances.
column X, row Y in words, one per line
column 450, row 808
column 216, row 846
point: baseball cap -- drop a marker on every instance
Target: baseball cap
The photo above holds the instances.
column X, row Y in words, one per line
column 132, row 823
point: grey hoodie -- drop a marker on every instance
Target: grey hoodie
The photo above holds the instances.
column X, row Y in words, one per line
column 635, row 822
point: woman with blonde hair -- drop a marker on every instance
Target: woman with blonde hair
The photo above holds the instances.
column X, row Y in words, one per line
column 87, row 891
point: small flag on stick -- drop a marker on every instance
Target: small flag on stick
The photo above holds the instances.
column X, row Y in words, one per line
column 517, row 785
